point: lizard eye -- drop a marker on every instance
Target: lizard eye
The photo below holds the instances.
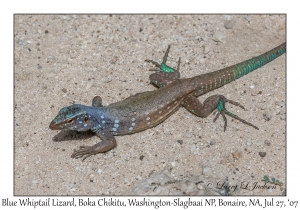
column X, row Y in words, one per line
column 86, row 119
column 69, row 121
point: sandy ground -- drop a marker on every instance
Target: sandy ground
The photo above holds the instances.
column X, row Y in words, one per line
column 66, row 59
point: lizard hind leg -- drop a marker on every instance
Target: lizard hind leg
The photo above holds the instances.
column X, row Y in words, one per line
column 192, row 104
column 165, row 74
column 162, row 79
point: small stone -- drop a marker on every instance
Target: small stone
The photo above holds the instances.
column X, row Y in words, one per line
column 268, row 143
column 188, row 135
column 193, row 148
column 252, row 86
column 267, row 116
column 283, row 117
column 99, row 171
column 247, row 17
column 180, row 142
column 167, row 133
column 107, row 80
column 212, row 142
column 206, row 50
column 237, row 155
column 249, row 142
column 280, row 103
column 35, row 181
column 202, row 61
column 128, row 181
column 219, row 36
column 228, row 24
column 206, row 171
column 71, row 185
column 114, row 60
column 262, row 154
column 64, row 90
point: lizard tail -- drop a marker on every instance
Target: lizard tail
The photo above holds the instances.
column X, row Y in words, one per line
column 250, row 65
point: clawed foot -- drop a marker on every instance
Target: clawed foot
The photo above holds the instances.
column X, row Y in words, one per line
column 103, row 146
column 84, row 151
column 222, row 110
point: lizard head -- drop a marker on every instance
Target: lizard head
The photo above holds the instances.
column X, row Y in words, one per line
column 73, row 117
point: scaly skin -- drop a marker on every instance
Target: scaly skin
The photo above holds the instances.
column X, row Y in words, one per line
column 148, row 109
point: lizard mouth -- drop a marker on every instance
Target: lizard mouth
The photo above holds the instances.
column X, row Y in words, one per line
column 54, row 126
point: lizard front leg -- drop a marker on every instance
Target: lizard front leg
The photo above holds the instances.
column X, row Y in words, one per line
column 192, row 104
column 108, row 142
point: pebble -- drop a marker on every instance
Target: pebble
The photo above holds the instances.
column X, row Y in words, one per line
column 206, row 171
column 267, row 116
column 206, row 50
column 280, row 103
column 247, row 17
column 188, row 135
column 228, row 24
column 35, row 181
column 202, row 61
column 268, row 143
column 180, row 142
column 219, row 36
column 281, row 111
column 167, row 132
column 252, row 86
column 114, row 60
column 99, row 171
column 108, row 80
column 193, row 148
column 237, row 155
column 283, row 117
column 262, row 154
column 128, row 181
column 212, row 142
column 249, row 142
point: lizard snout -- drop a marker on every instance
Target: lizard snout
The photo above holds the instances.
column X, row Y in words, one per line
column 54, row 126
